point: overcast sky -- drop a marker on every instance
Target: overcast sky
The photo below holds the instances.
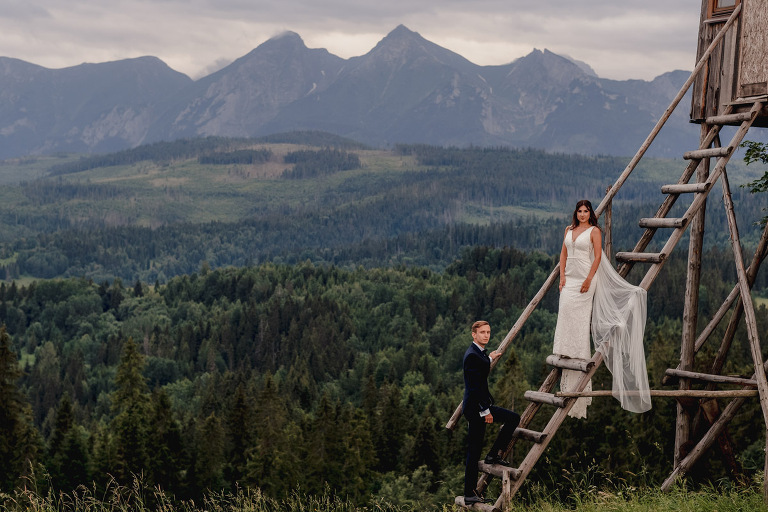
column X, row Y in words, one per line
column 620, row 39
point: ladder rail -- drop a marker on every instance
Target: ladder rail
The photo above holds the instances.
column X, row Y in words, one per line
column 699, row 200
column 667, row 113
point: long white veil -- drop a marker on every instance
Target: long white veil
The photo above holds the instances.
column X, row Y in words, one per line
column 618, row 325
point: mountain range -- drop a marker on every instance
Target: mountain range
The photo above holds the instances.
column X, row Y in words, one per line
column 405, row 90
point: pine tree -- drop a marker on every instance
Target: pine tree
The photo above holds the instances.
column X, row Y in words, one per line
column 18, row 437
column 164, row 445
column 130, row 403
column 67, row 450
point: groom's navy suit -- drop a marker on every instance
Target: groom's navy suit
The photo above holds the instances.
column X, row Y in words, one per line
column 477, row 400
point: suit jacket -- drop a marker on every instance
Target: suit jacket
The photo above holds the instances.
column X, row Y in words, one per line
column 477, row 398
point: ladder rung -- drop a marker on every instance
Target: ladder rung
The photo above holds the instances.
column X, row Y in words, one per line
column 730, row 118
column 498, row 470
column 707, row 153
column 661, row 222
column 544, row 398
column 641, row 257
column 708, row 377
column 568, row 363
column 693, row 188
column 530, row 435
column 484, row 507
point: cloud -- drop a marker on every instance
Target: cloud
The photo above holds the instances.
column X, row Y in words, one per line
column 619, row 39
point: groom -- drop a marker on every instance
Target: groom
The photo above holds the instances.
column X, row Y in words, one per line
column 479, row 410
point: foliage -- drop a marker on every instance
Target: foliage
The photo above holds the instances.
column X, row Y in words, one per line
column 242, row 377
column 757, row 152
column 416, row 205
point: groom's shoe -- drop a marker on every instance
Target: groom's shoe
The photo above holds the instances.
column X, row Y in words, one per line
column 496, row 460
column 471, row 500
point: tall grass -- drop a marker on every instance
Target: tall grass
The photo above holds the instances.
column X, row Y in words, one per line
column 726, row 497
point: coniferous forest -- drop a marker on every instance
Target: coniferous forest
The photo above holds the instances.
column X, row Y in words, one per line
column 303, row 327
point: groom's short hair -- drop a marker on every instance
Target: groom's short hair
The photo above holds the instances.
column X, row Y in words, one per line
column 479, row 324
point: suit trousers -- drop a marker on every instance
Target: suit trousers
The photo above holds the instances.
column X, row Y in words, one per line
column 476, row 433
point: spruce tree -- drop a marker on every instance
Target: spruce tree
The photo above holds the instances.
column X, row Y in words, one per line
column 18, row 438
column 131, row 405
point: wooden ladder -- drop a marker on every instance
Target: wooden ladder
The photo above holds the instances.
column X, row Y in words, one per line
column 513, row 478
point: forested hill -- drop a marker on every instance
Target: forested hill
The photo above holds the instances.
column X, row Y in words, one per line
column 163, row 210
column 284, row 377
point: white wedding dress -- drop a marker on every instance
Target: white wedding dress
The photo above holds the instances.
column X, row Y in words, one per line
column 616, row 312
column 574, row 314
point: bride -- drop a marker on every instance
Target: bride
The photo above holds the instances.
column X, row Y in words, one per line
column 593, row 295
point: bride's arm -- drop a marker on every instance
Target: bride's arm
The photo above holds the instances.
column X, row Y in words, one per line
column 563, row 259
column 597, row 242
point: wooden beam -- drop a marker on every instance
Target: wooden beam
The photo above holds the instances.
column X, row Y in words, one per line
column 708, row 377
column 667, row 113
column 568, row 363
column 664, row 222
column 691, row 306
column 746, row 300
column 701, row 154
column 544, row 398
column 673, row 393
column 640, row 257
column 686, row 188
column 711, row 410
column 653, row 272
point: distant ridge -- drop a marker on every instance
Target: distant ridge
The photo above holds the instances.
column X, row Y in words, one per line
column 404, row 90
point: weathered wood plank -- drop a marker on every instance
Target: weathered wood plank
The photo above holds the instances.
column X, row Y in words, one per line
column 753, row 61
column 568, row 363
column 608, row 240
column 700, row 154
column 497, row 470
column 711, row 410
column 692, row 188
column 483, row 507
column 746, row 300
column 672, row 393
column 708, row 377
column 544, row 398
column 737, row 118
column 653, row 222
column 529, row 435
column 691, row 305
column 641, row 257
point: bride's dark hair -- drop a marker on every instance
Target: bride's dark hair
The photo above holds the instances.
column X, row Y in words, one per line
column 592, row 216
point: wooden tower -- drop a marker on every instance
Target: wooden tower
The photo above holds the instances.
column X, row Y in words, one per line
column 730, row 87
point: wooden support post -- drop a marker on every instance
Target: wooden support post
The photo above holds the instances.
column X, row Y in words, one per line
column 749, row 313
column 765, row 469
column 703, row 445
column 711, row 411
column 608, row 227
column 691, row 311
column 746, row 300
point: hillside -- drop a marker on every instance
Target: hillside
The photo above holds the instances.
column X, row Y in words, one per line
column 162, row 210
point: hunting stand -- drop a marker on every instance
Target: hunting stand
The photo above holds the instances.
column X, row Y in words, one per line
column 730, row 88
